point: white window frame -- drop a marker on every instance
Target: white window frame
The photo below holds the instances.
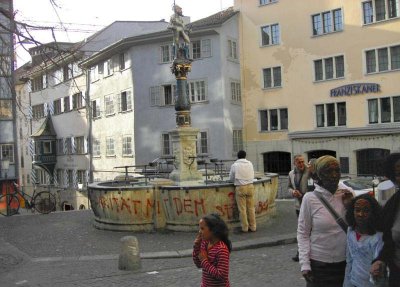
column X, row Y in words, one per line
column 267, row 2
column 110, row 142
column 96, row 147
column 334, row 77
column 374, row 12
column 50, row 151
column 10, row 148
column 155, row 96
column 199, row 143
column 126, row 61
column 272, row 78
column 163, row 141
column 236, row 92
column 270, row 33
column 237, row 140
column 232, row 49
column 170, row 53
column 379, row 112
column 377, row 59
column 109, row 105
column 125, row 144
column 326, row 115
column 196, row 97
column 129, row 104
column 332, row 20
column 96, row 108
column 279, row 128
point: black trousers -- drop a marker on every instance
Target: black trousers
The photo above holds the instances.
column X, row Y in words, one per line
column 327, row 274
column 394, row 277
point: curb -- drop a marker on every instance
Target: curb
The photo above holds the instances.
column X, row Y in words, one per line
column 237, row 246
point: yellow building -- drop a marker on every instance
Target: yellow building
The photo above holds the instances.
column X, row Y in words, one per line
column 320, row 77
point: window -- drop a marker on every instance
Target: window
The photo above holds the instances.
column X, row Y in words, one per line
column 109, row 105
column 329, row 68
column 385, row 59
column 123, row 61
column 369, row 161
column 67, row 104
column 344, row 164
column 236, row 92
column 277, row 162
column 265, row 2
column 6, row 109
column 38, row 111
column 68, row 145
column 331, row 115
column 94, row 73
column 168, row 96
column 60, row 177
column 232, row 50
column 67, row 72
column 47, row 148
column 270, row 35
column 77, row 101
column 96, row 112
column 274, row 119
column 96, row 147
column 206, row 48
column 57, row 107
column 327, row 22
column 196, row 49
column 70, row 173
column 110, row 151
column 197, row 91
column 272, row 77
column 373, row 111
column 108, row 68
column 379, row 10
column 39, row 83
column 155, row 96
column 81, row 174
column 166, row 145
column 7, row 152
column 79, row 145
column 396, row 109
column 237, row 136
column 166, row 54
column 127, row 145
column 76, row 70
column 202, row 143
column 125, row 101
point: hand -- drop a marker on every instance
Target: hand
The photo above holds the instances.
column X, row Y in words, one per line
column 198, row 239
column 347, row 196
column 376, row 268
column 307, row 274
column 297, row 194
column 203, row 255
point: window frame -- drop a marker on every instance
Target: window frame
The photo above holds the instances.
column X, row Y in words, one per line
column 331, row 24
column 323, row 61
column 125, row 145
column 374, row 14
column 110, row 141
column 271, row 69
column 109, row 102
column 271, row 37
column 166, row 150
column 376, row 63
column 268, row 120
column 10, row 151
column 321, row 109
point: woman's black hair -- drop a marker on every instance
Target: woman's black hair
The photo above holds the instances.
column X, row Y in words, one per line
column 375, row 217
column 218, row 228
column 390, row 161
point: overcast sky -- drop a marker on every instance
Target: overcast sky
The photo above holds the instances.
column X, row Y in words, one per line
column 75, row 20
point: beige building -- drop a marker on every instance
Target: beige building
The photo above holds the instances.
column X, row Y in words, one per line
column 320, row 77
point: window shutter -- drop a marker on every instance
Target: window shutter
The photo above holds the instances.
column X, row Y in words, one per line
column 62, row 104
column 83, row 95
column 44, row 81
column 73, row 148
column 30, row 113
column 119, row 102
column 66, row 180
column 45, row 109
column 85, row 146
column 127, row 60
column 65, row 148
column 71, row 102
column 74, row 178
column 51, row 108
column 129, row 100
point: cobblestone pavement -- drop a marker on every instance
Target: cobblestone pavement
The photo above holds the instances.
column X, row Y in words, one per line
column 270, row 266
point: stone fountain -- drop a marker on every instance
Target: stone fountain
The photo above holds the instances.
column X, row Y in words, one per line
column 176, row 203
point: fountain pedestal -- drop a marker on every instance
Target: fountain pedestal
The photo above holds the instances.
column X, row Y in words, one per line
column 184, row 149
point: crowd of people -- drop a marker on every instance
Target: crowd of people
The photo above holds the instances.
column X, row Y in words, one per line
column 342, row 240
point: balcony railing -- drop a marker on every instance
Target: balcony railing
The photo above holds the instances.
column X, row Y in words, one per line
column 44, row 158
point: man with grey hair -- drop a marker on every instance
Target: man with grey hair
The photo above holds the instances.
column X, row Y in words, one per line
column 298, row 185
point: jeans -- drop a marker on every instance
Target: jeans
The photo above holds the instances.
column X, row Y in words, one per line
column 327, row 274
column 245, row 202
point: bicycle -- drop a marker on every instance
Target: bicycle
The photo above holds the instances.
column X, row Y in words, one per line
column 44, row 202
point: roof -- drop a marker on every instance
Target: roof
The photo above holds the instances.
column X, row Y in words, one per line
column 46, row 129
column 215, row 19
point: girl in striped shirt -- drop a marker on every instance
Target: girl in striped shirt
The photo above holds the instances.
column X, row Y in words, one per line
column 211, row 251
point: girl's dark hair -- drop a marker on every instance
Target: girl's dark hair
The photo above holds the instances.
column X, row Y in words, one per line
column 390, row 161
column 375, row 217
column 219, row 228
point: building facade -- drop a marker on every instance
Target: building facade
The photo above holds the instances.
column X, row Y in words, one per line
column 9, row 167
column 320, row 78
column 147, row 86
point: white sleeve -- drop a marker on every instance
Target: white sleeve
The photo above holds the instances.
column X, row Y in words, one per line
column 303, row 233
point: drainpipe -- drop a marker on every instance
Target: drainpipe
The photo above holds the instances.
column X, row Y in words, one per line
column 89, row 112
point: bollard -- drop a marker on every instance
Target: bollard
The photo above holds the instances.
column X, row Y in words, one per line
column 129, row 259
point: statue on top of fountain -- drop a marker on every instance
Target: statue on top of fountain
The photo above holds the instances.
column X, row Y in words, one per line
column 181, row 37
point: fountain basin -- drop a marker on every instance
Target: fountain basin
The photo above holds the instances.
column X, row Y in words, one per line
column 164, row 205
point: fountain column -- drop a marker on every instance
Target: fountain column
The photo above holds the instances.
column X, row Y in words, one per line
column 184, row 137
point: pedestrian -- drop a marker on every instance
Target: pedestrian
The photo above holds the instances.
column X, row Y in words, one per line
column 364, row 241
column 242, row 175
column 211, row 251
column 298, row 182
column 321, row 237
column 390, row 254
column 311, row 174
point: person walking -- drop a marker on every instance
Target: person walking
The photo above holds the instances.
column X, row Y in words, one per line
column 242, row 175
column 298, row 182
column 390, row 254
column 321, row 237
column 211, row 251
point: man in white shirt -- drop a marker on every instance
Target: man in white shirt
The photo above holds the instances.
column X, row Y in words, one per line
column 242, row 174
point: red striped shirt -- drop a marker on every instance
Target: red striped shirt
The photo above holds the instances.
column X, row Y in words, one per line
column 216, row 267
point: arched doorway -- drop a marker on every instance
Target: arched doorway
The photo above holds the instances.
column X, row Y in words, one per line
column 369, row 161
column 277, row 162
column 319, row 153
